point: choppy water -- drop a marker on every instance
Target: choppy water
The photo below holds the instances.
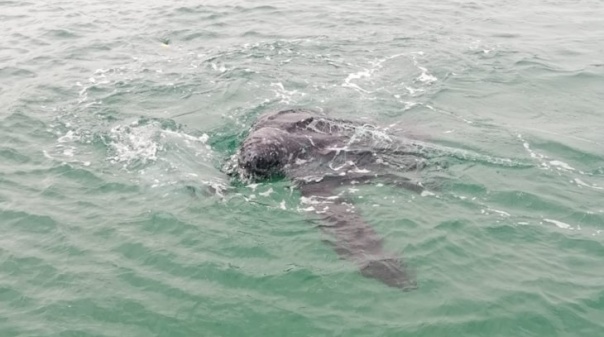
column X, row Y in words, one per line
column 115, row 117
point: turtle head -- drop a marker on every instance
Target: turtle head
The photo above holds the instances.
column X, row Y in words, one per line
column 262, row 156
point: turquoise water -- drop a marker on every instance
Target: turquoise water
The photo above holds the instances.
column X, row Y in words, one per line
column 117, row 117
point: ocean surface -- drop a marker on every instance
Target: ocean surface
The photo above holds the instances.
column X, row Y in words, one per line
column 117, row 117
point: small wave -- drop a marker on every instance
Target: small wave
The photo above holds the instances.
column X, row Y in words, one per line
column 561, row 224
column 286, row 96
column 580, row 182
column 361, row 79
column 561, row 167
column 154, row 152
column 134, row 145
column 435, row 151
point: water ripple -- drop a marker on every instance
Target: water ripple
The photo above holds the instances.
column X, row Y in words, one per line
column 116, row 120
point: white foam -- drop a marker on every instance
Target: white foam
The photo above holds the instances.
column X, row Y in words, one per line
column 502, row 213
column 133, row 144
column 286, row 96
column 376, row 65
column 309, row 201
column 70, row 136
column 310, row 140
column 69, row 151
column 559, row 224
column 355, row 76
column 267, row 193
column 358, row 170
column 220, row 68
column 426, row 77
column 307, row 209
column 324, row 210
column 426, row 193
column 561, row 165
column 582, row 183
column 300, row 161
column 545, row 162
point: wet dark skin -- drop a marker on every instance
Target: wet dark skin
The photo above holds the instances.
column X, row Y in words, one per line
column 299, row 145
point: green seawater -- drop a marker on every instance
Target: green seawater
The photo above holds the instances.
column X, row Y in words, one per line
column 116, row 118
